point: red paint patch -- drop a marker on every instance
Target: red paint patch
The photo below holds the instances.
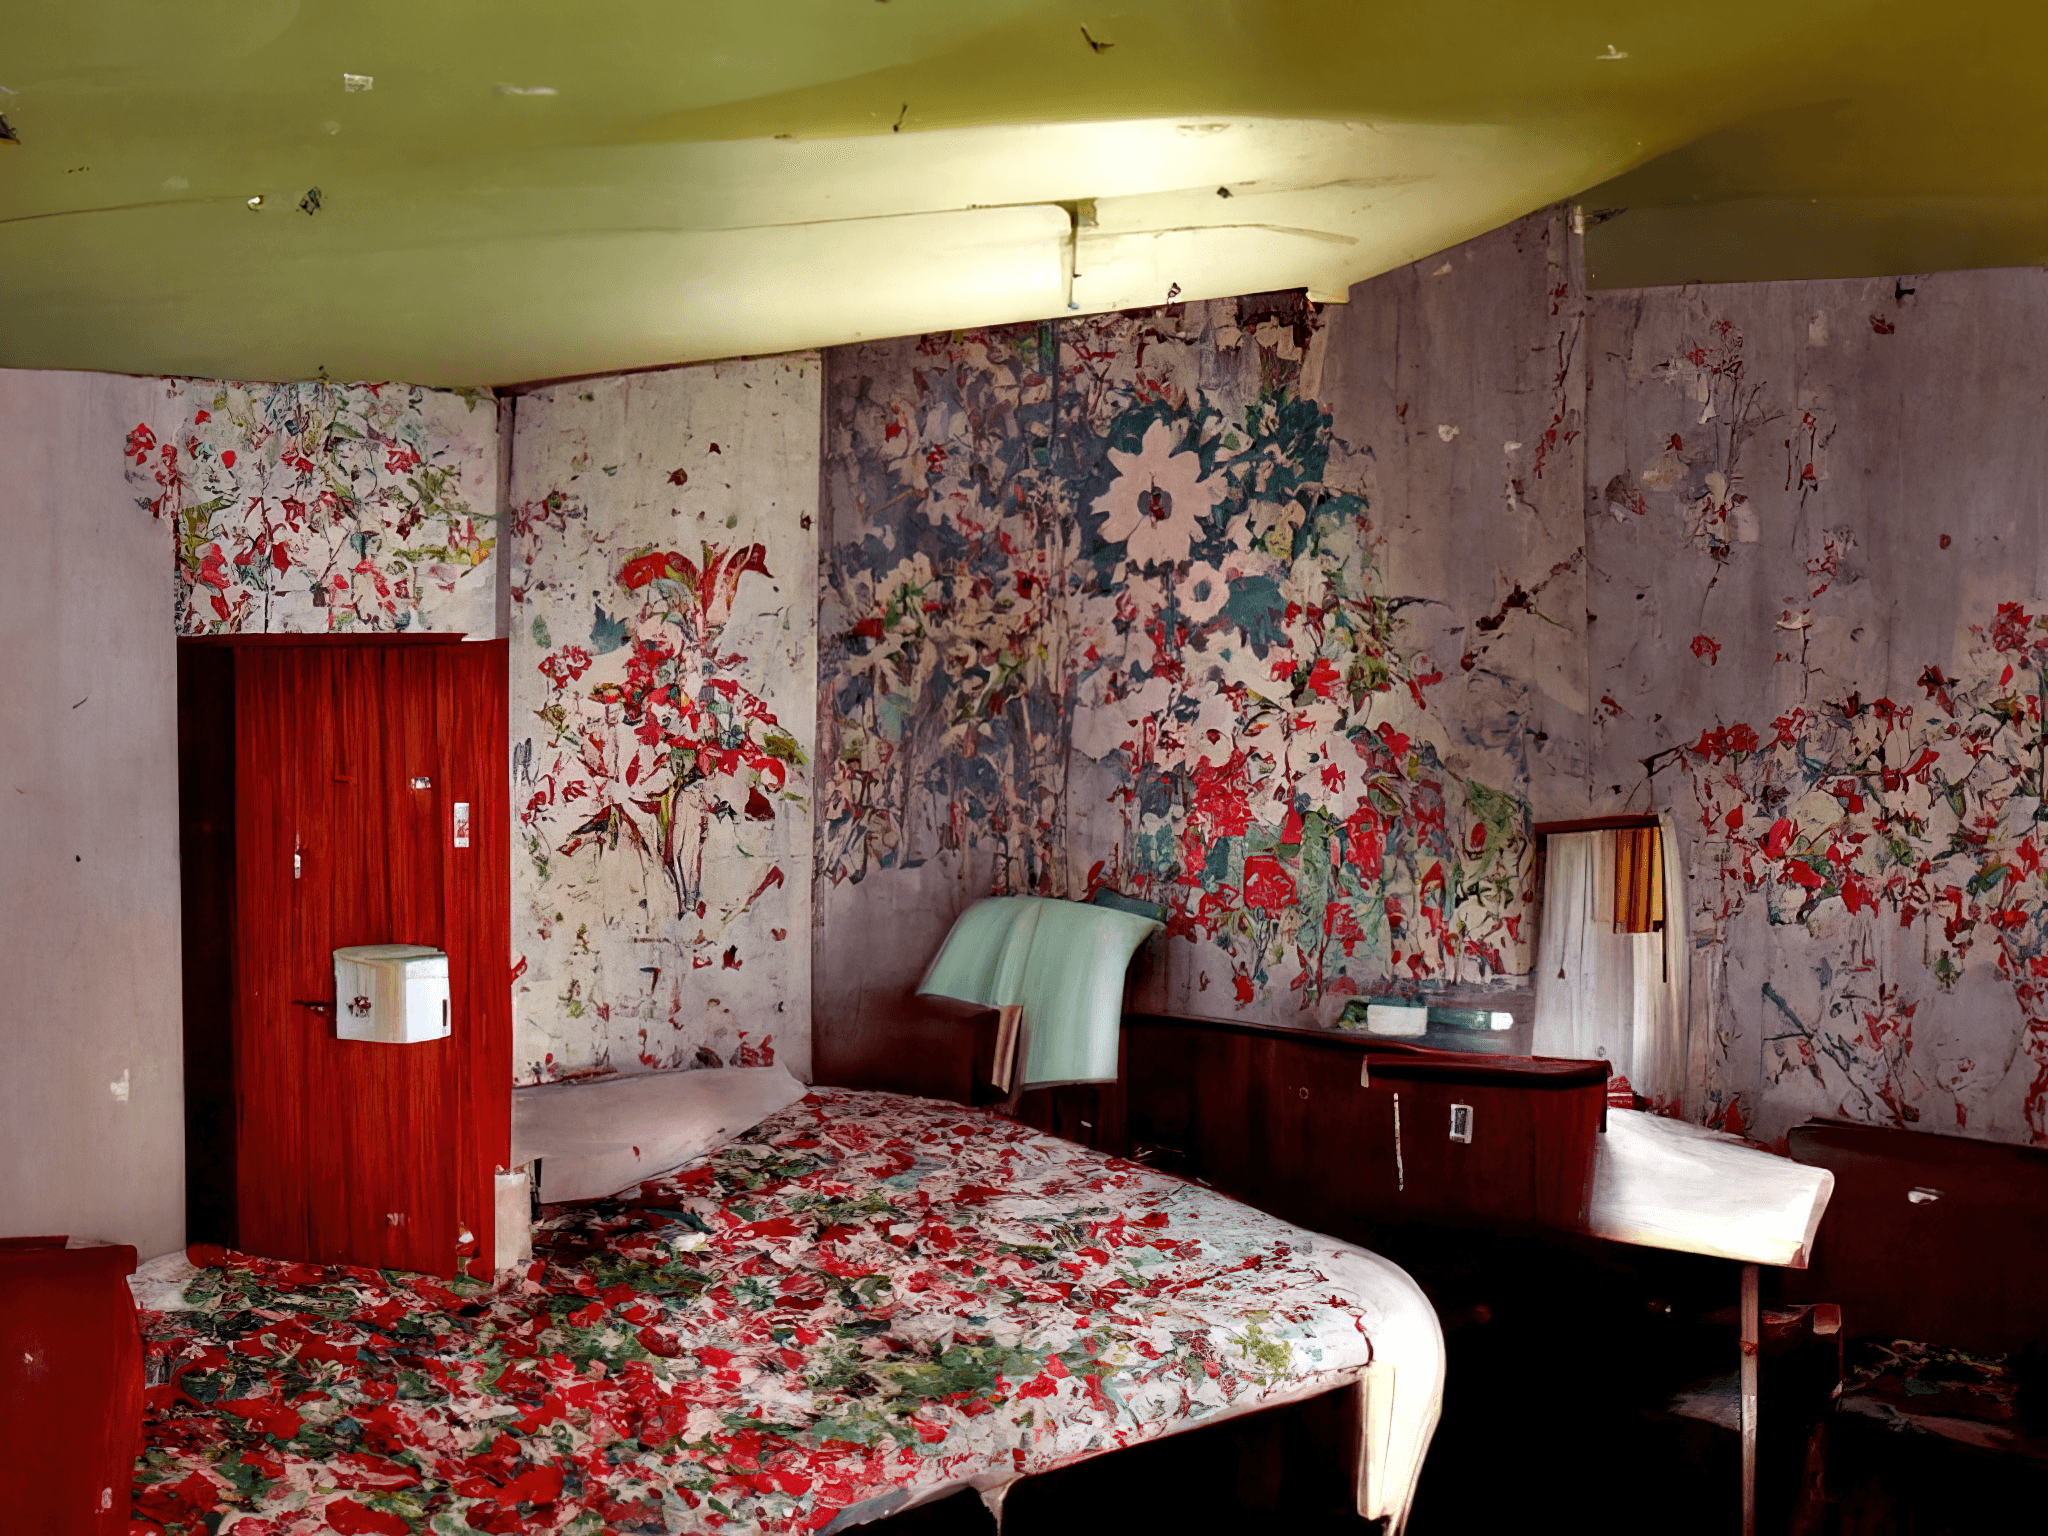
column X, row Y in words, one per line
column 1882, row 326
column 1803, row 874
column 1707, row 648
column 1780, row 838
column 267, row 1414
column 353, row 1519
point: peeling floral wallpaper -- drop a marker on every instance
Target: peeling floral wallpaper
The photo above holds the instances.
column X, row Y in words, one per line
column 1256, row 709
column 324, row 507
column 1832, row 670
column 663, row 697
column 1291, row 618
column 1110, row 603
column 943, row 700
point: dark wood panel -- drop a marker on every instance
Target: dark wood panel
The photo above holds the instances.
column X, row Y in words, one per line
column 1594, row 824
column 1966, row 1268
column 942, row 1048
column 474, row 727
column 1304, row 1124
column 905, row 1043
column 206, row 882
column 1299, row 1122
column 1530, row 1159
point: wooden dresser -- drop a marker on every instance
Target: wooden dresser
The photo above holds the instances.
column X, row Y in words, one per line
column 1344, row 1132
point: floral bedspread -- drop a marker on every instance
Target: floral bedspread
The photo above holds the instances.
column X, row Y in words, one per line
column 866, row 1293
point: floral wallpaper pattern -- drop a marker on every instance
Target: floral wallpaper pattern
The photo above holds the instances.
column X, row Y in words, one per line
column 662, row 703
column 1107, row 602
column 941, row 613
column 1230, row 606
column 318, row 506
column 1835, row 679
column 1919, row 813
column 1244, row 678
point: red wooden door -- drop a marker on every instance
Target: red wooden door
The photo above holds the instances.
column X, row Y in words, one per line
column 351, row 761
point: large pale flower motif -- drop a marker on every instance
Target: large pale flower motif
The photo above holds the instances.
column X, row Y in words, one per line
column 1158, row 499
column 1202, row 593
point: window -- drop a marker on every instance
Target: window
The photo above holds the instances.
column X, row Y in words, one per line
column 1610, row 951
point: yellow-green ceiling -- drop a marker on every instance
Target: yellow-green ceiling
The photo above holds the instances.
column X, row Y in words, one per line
column 511, row 190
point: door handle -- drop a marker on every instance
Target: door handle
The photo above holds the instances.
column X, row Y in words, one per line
column 326, row 1009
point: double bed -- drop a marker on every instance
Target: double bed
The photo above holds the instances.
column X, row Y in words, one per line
column 864, row 1303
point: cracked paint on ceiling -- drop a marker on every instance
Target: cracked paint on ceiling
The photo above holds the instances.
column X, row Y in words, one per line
column 259, row 189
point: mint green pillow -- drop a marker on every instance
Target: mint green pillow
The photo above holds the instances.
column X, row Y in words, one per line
column 1064, row 961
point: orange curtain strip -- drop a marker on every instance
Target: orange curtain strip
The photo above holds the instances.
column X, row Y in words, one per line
column 1638, row 880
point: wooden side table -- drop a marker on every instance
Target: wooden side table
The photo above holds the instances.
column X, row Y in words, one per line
column 1661, row 1183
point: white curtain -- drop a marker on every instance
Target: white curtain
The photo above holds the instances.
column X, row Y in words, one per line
column 1599, row 993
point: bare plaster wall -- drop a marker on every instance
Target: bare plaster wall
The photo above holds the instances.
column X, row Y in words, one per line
column 91, row 1103
column 1819, row 574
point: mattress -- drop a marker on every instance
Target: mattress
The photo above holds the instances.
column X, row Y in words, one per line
column 865, row 1302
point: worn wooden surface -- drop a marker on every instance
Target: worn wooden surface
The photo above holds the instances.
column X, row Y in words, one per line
column 333, row 1139
column 934, row 1046
column 1281, row 1119
column 1963, row 1265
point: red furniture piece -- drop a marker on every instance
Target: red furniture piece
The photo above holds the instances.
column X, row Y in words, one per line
column 336, row 792
column 70, row 1387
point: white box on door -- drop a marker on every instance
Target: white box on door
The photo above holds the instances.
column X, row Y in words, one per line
column 394, row 993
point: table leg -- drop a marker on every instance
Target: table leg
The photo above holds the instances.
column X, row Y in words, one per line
column 1751, row 1335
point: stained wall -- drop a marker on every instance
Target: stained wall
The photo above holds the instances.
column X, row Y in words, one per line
column 322, row 507
column 1269, row 612
column 1291, row 618
column 1819, row 570
column 663, row 594
column 92, row 1102
column 659, row 594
